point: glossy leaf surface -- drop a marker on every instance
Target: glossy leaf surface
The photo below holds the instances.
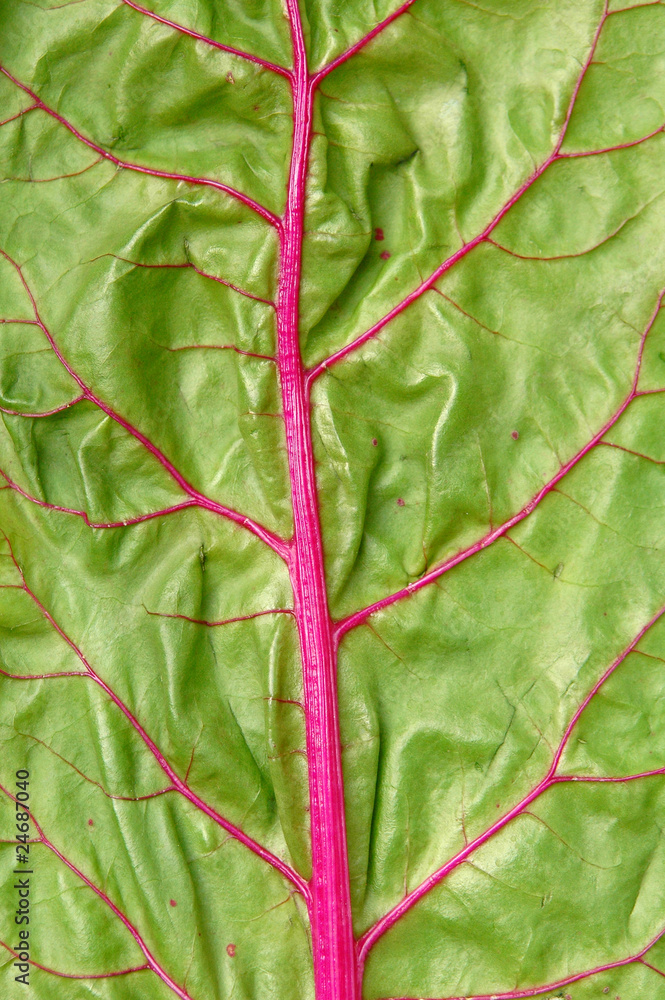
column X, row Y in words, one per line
column 331, row 409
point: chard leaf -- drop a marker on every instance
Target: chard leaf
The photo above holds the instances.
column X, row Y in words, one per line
column 332, row 592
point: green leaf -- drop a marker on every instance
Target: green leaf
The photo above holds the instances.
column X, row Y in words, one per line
column 332, row 591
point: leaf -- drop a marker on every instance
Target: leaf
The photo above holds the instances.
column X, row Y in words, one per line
column 332, row 594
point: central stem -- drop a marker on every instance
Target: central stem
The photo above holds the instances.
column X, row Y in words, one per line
column 330, row 909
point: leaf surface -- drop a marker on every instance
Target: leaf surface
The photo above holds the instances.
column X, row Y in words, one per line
column 332, row 366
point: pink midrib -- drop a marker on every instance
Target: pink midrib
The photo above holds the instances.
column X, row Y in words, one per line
column 330, row 908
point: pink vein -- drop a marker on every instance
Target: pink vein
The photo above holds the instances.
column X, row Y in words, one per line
column 126, row 165
column 273, row 67
column 220, row 347
column 43, row 413
column 560, row 256
column 637, row 6
column 613, row 149
column 551, row 778
column 429, row 282
column 629, row 451
column 19, row 114
column 575, row 978
column 358, row 617
column 279, row 545
column 82, row 514
column 351, row 51
column 152, row 963
column 203, row 274
column 177, row 782
column 223, row 621
column 652, row 967
column 450, row 262
column 91, row 781
column 56, row 177
column 74, row 975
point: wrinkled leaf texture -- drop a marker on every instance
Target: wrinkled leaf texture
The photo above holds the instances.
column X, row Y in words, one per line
column 499, row 439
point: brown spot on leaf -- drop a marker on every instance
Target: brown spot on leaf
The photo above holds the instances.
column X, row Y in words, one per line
column 374, row 442
column 400, row 502
column 230, row 950
column 230, row 77
column 515, row 435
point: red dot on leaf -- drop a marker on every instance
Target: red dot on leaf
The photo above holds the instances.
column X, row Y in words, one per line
column 90, row 823
column 173, row 902
column 400, row 502
column 385, row 255
column 515, row 435
column 230, row 950
column 374, row 442
column 378, row 233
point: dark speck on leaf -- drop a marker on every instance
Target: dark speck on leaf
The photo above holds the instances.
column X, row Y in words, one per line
column 374, row 442
column 400, row 502
column 230, row 77
column 515, row 435
column 385, row 255
column 378, row 233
